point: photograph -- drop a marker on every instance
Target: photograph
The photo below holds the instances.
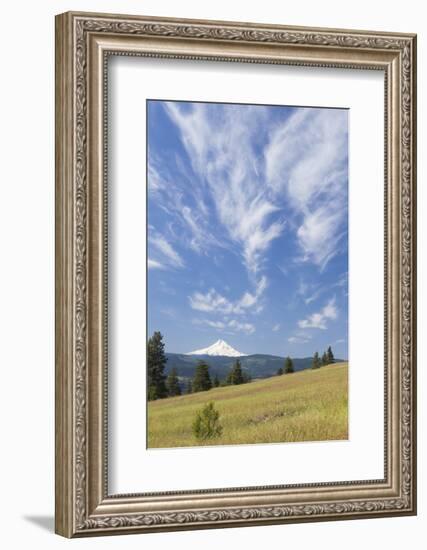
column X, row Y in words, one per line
column 247, row 273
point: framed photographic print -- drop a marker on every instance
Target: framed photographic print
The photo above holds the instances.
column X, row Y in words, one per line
column 235, row 274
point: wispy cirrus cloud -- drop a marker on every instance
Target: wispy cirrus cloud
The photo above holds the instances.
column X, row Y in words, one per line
column 221, row 143
column 154, row 264
column 307, row 159
column 230, row 326
column 187, row 212
column 309, row 292
column 247, row 328
column 155, row 182
column 299, row 338
column 218, row 325
column 276, row 327
column 161, row 254
column 320, row 318
column 313, row 297
column 312, row 291
column 213, row 302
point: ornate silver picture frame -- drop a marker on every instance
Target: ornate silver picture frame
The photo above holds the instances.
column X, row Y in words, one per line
column 84, row 504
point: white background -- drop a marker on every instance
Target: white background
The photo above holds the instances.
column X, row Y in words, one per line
column 132, row 80
column 27, row 275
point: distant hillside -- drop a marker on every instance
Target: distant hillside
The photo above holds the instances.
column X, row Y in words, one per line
column 311, row 405
column 258, row 365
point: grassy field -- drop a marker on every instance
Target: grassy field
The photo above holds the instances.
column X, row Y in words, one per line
column 311, row 405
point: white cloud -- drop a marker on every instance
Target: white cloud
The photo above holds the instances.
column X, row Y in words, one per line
column 330, row 310
column 313, row 296
column 276, row 327
column 220, row 144
column 231, row 326
column 189, row 213
column 307, row 158
column 154, row 180
column 200, row 239
column 319, row 319
column 153, row 264
column 342, row 280
column 299, row 339
column 248, row 328
column 319, row 235
column 212, row 301
column 248, row 299
column 159, row 246
column 309, row 291
column 215, row 324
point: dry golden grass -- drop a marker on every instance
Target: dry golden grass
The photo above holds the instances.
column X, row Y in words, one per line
column 311, row 405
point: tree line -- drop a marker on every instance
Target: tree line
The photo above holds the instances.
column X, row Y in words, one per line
column 160, row 386
column 202, row 380
column 326, row 359
column 288, row 367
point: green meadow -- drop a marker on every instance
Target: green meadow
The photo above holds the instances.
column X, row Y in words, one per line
column 310, row 405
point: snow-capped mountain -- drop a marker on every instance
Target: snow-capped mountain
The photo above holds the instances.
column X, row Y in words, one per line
column 218, row 348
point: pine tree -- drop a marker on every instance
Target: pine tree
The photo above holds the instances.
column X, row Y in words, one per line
column 316, row 361
column 279, row 371
column 202, row 380
column 289, row 365
column 206, row 424
column 238, row 373
column 156, row 362
column 172, row 383
column 325, row 359
column 189, row 387
column 215, row 382
column 331, row 358
column 235, row 376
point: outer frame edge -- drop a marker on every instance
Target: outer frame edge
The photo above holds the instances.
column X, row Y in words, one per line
column 64, row 380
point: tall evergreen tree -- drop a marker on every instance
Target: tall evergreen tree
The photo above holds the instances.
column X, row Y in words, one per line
column 172, row 383
column 215, row 382
column 235, row 376
column 189, row 387
column 325, row 359
column 316, row 361
column 289, row 365
column 202, row 380
column 331, row 358
column 156, row 362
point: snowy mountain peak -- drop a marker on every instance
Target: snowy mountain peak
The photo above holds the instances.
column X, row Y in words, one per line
column 220, row 347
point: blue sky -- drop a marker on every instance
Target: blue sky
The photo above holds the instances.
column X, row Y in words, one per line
column 248, row 227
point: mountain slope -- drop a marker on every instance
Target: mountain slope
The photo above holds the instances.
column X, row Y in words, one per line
column 257, row 365
column 311, row 405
